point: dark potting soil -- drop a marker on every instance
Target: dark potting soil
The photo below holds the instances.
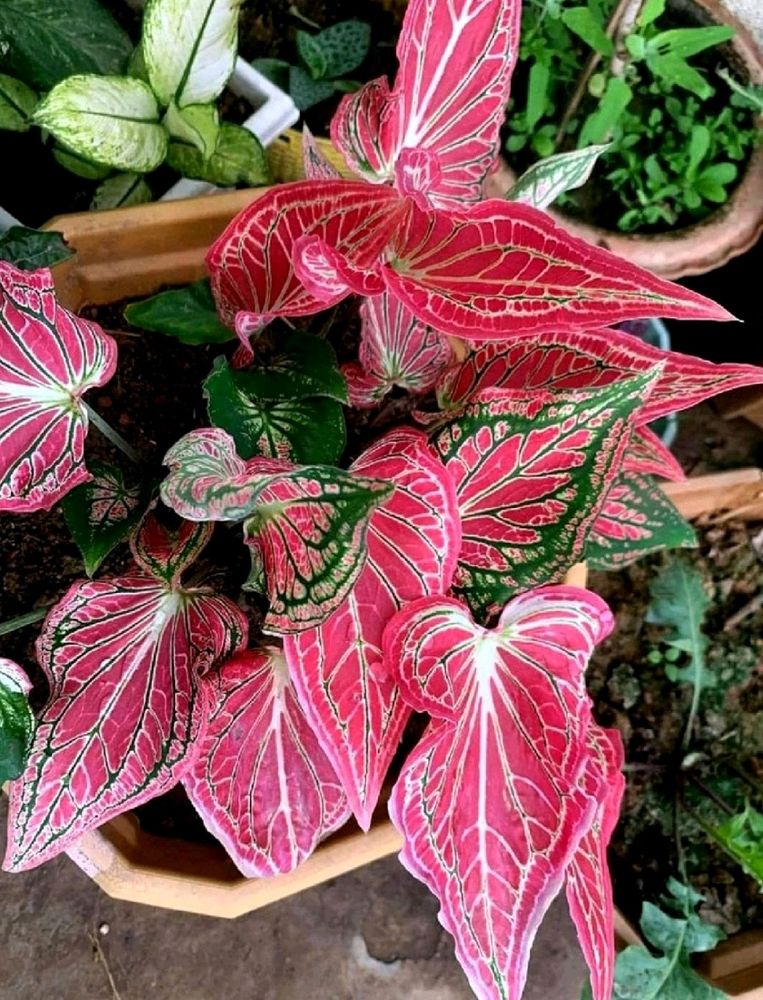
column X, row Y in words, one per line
column 650, row 711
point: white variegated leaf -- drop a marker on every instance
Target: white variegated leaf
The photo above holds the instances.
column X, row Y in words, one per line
column 546, row 180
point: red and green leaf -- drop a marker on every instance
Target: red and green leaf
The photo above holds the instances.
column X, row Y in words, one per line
column 588, row 883
column 315, row 166
column 436, row 133
column 648, row 455
column 259, row 779
column 121, row 657
column 532, row 470
column 102, row 512
column 350, row 700
column 252, row 264
column 16, row 719
column 585, row 360
column 396, row 349
column 636, row 518
column 48, row 359
column 500, row 269
column 491, row 803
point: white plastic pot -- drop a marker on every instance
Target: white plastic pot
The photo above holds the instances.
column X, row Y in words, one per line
column 274, row 112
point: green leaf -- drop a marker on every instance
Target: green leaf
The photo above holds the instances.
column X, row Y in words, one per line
column 303, row 430
column 750, row 96
column 636, row 46
column 30, row 249
column 677, row 72
column 651, row 10
column 582, row 22
column 537, row 91
column 679, row 604
column 685, row 42
column 742, row 838
column 120, row 191
column 305, row 91
column 82, row 168
column 196, row 124
column 335, row 51
column 45, row 41
column 136, row 65
column 109, row 120
column 547, row 179
column 16, row 720
column 276, row 70
column 103, row 512
column 238, row 159
column 17, row 104
column 190, row 48
column 303, row 365
column 699, row 143
column 599, row 125
column 188, row 314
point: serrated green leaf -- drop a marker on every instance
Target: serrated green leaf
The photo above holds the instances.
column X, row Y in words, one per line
column 45, row 41
column 547, row 179
column 303, row 430
column 17, row 104
column 599, row 125
column 336, row 50
column 197, row 124
column 679, row 604
column 582, row 22
column 103, row 511
column 189, row 47
column 109, row 120
column 120, row 191
column 30, row 249
column 305, row 91
column 16, row 720
column 238, row 159
column 188, row 314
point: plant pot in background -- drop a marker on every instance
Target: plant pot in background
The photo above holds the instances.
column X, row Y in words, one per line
column 730, row 230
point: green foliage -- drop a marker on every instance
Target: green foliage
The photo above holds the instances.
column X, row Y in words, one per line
column 238, row 158
column 120, row 191
column 188, row 314
column 325, row 59
column 674, row 932
column 741, row 836
column 31, row 249
column 103, row 511
column 647, row 102
column 679, row 604
column 16, row 725
column 17, row 104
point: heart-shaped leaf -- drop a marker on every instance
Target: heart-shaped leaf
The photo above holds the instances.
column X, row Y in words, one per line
column 635, row 519
column 16, row 719
column 448, row 100
column 102, row 512
column 491, row 803
column 121, row 657
column 532, row 470
column 595, row 358
column 185, row 313
column 260, row 780
column 350, row 700
column 396, row 349
column 48, row 359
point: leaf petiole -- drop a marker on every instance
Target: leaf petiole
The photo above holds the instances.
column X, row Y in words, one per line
column 108, row 432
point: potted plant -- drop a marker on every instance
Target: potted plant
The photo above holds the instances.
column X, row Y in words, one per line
column 679, row 188
column 373, row 589
column 129, row 119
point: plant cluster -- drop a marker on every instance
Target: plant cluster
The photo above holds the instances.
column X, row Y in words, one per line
column 425, row 575
column 116, row 113
column 677, row 135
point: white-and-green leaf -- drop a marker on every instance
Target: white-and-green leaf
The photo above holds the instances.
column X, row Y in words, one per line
column 110, row 120
column 197, row 124
column 190, row 48
column 238, row 159
column 17, row 104
column 545, row 180
column 120, row 191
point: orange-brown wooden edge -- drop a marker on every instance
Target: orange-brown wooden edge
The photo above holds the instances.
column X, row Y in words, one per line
column 133, row 252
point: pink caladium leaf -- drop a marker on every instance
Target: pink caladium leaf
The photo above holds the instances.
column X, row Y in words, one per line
column 585, row 360
column 351, row 701
column 396, row 349
column 636, row 518
column 315, row 166
column 259, row 778
column 588, row 883
column 436, row 133
column 648, row 455
column 491, row 804
column 501, row 269
column 121, row 657
column 252, row 264
column 532, row 470
column 48, row 359
column 306, row 525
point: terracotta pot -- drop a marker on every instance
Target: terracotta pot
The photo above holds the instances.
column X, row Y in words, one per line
column 729, row 231
column 133, row 252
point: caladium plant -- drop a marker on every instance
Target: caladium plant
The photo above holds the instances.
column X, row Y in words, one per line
column 395, row 569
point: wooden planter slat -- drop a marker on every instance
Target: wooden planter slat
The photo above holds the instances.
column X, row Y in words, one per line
column 134, row 252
